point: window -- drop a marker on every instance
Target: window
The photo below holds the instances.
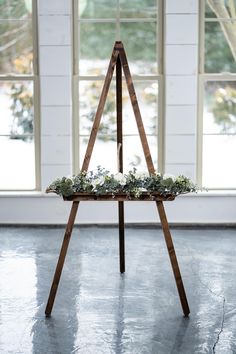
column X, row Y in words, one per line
column 97, row 25
column 18, row 125
column 218, row 94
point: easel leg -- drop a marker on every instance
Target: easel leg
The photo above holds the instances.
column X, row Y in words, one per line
column 61, row 259
column 173, row 258
column 121, row 236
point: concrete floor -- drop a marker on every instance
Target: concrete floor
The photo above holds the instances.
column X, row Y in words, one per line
column 98, row 311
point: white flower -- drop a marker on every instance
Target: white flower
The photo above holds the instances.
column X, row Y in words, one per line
column 157, row 174
column 141, row 175
column 98, row 181
column 141, row 189
column 169, row 175
column 119, row 177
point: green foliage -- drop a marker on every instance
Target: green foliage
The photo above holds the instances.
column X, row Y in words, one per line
column 133, row 184
column 81, row 182
column 62, row 186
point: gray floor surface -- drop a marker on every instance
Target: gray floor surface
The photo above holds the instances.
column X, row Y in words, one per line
column 98, row 311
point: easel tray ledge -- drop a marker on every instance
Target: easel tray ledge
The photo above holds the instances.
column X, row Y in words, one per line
column 121, row 197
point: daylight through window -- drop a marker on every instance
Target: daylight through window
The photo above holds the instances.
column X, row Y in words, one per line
column 17, row 126
column 219, row 95
column 98, row 25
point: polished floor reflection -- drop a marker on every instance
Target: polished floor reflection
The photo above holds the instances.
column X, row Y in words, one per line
column 98, row 311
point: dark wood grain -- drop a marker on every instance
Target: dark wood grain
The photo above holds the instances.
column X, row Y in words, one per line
column 61, row 259
column 173, row 258
column 146, row 197
column 119, row 129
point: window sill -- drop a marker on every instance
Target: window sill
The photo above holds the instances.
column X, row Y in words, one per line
column 212, row 193
column 40, row 194
column 26, row 194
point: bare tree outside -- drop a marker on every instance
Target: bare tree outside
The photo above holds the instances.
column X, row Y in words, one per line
column 225, row 10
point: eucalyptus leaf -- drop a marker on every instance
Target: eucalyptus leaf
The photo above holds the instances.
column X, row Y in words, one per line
column 132, row 184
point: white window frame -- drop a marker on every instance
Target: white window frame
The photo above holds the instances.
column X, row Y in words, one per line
column 35, row 79
column 76, row 78
column 203, row 78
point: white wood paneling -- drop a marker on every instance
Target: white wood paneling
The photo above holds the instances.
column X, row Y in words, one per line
column 56, row 150
column 180, row 149
column 55, row 60
column 182, row 6
column 181, row 120
column 181, row 90
column 181, row 59
column 55, row 91
column 54, row 30
column 56, row 120
column 181, row 29
column 52, row 7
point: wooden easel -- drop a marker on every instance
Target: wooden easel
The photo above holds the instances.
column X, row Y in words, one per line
column 118, row 60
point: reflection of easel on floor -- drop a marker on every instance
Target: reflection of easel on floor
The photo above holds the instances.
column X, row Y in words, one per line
column 118, row 60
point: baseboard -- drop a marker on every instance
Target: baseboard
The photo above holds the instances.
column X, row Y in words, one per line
column 128, row 225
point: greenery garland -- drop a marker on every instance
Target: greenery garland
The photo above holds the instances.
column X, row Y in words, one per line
column 133, row 184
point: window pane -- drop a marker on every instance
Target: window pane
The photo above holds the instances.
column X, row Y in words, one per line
column 147, row 93
column 133, row 152
column 15, row 9
column 106, row 139
column 97, row 9
column 219, row 170
column 17, row 163
column 209, row 13
column 16, row 97
column 138, row 8
column 96, row 44
column 104, row 152
column 90, row 92
column 141, row 50
column 16, row 135
column 220, row 107
column 218, row 55
column 219, row 167
column 222, row 7
column 16, row 108
column 108, row 9
column 16, row 48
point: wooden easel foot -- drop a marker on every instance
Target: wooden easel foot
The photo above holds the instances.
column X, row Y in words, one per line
column 173, row 259
column 121, row 236
column 61, row 259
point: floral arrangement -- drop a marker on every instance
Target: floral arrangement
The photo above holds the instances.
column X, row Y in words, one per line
column 133, row 184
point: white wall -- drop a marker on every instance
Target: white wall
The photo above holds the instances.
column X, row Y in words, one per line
column 181, row 67
column 55, row 41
